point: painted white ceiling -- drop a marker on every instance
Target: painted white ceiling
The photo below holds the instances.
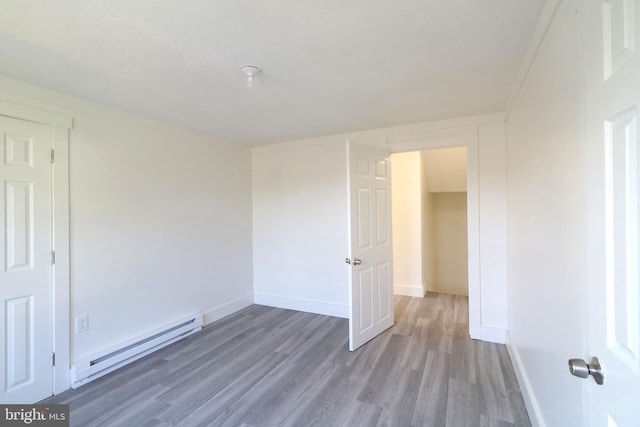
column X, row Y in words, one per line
column 329, row 66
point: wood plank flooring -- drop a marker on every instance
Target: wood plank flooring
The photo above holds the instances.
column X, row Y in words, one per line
column 265, row 366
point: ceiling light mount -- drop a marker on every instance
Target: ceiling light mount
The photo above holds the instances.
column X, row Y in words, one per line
column 251, row 72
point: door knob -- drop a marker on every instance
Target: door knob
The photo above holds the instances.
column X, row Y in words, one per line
column 356, row 261
column 582, row 369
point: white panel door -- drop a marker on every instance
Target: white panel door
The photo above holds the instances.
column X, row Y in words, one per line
column 26, row 286
column 371, row 287
column 612, row 129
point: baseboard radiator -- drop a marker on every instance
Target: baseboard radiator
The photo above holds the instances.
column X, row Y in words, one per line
column 101, row 364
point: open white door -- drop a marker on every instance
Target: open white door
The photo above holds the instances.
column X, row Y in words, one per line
column 26, row 372
column 612, row 29
column 371, row 287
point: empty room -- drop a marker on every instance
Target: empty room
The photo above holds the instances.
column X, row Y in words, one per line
column 296, row 213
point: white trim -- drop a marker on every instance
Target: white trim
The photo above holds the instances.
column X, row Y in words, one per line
column 35, row 115
column 61, row 269
column 442, row 137
column 217, row 313
column 390, row 133
column 23, row 93
column 456, row 137
column 542, row 27
column 533, row 408
column 416, row 291
column 306, row 305
column 473, row 236
column 481, row 119
column 60, row 126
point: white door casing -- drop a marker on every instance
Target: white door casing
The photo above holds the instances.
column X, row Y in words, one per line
column 26, row 234
column 12, row 106
column 370, row 281
column 612, row 36
column 463, row 135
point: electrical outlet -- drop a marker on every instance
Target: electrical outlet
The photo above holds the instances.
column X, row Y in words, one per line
column 82, row 324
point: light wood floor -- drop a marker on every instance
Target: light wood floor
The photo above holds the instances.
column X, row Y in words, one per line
column 265, row 366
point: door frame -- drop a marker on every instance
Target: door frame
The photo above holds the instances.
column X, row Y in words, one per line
column 60, row 126
column 459, row 136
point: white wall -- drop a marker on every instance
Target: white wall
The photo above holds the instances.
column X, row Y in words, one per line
column 492, row 241
column 450, row 243
column 406, row 213
column 547, row 226
column 486, row 178
column 160, row 221
column 323, row 170
column 493, row 233
column 300, row 227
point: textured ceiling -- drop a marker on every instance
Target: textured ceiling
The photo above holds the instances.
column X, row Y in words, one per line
column 329, row 66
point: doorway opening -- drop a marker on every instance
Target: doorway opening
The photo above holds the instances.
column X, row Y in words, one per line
column 429, row 220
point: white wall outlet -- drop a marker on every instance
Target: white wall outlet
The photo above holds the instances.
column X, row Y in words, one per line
column 82, row 324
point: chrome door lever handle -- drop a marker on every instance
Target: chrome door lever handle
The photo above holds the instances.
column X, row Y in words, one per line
column 582, row 369
column 357, row 261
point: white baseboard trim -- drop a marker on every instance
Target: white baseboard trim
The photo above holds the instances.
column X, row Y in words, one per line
column 309, row 306
column 224, row 310
column 409, row 290
column 535, row 414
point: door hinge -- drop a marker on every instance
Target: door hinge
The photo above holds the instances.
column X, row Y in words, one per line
column 53, row 257
column 53, row 359
column 53, row 156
